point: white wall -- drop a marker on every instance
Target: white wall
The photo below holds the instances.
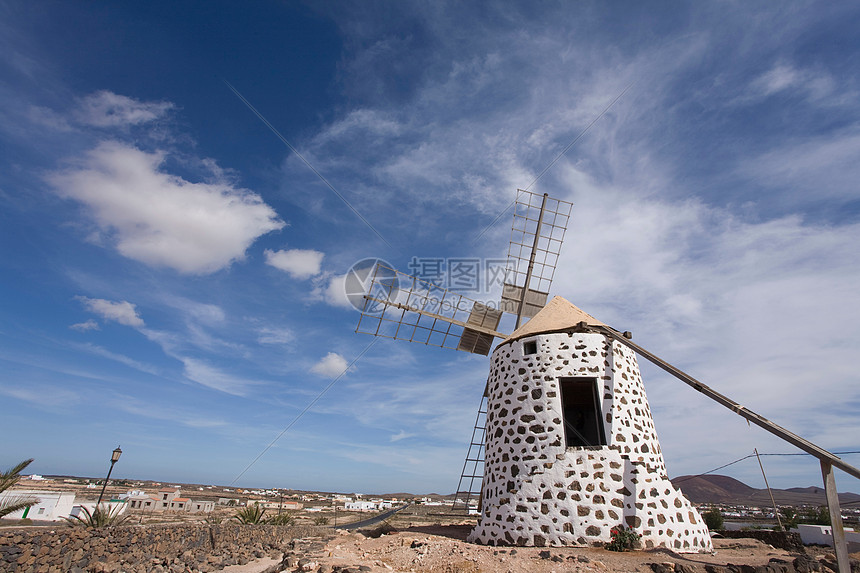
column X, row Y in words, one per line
column 823, row 535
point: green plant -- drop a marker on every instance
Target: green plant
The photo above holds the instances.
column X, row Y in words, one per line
column 250, row 515
column 102, row 516
column 320, row 520
column 286, row 518
column 789, row 517
column 623, row 539
column 816, row 516
column 12, row 503
column 213, row 519
column 713, row 519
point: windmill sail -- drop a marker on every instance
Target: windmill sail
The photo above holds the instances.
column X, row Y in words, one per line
column 537, row 234
column 405, row 307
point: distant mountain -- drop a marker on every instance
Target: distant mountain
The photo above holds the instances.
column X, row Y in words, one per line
column 725, row 489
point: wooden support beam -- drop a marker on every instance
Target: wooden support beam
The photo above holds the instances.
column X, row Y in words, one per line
column 742, row 411
column 827, row 459
column 839, row 543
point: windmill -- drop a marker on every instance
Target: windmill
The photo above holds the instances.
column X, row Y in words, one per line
column 556, row 470
column 570, row 449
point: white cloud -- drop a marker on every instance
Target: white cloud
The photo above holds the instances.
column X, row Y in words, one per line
column 331, row 290
column 331, row 365
column 299, row 263
column 107, row 109
column 86, row 325
column 163, row 220
column 122, row 312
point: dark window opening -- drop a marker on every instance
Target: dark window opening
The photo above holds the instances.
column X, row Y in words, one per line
column 583, row 420
column 530, row 347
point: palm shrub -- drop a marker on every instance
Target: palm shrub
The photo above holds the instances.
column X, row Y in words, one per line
column 102, row 516
column 12, row 503
column 286, row 518
column 250, row 515
column 320, row 520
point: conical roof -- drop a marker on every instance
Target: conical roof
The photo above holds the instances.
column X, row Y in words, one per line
column 559, row 314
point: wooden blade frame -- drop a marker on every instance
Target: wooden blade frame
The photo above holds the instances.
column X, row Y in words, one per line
column 537, row 234
column 408, row 308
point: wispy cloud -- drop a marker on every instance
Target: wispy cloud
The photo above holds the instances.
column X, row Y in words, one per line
column 86, row 325
column 275, row 335
column 122, row 359
column 107, row 109
column 41, row 395
column 401, row 435
column 215, row 378
column 784, row 77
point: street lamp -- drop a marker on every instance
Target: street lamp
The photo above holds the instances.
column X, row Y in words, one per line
column 114, row 458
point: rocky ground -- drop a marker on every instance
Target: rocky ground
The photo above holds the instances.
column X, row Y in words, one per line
column 443, row 549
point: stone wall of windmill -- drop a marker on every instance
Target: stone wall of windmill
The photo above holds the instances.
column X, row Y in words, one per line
column 540, row 490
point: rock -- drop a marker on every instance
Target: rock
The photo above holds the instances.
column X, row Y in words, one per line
column 665, row 567
column 803, row 564
column 544, row 554
column 306, row 564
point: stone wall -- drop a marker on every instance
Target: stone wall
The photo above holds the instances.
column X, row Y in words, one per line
column 788, row 540
column 142, row 549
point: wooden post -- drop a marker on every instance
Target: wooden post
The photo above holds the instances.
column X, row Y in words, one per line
column 531, row 262
column 839, row 543
column 769, row 492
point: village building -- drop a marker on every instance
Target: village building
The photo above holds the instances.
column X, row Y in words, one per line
column 168, row 499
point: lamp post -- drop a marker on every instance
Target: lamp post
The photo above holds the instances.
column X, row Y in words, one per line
column 114, row 458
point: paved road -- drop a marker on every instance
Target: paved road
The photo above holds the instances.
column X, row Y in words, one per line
column 373, row 520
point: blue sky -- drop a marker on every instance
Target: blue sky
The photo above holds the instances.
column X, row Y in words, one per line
column 172, row 271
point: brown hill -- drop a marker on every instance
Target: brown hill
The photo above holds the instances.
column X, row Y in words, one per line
column 725, row 489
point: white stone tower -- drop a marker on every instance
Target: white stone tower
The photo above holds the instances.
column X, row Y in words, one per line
column 571, row 450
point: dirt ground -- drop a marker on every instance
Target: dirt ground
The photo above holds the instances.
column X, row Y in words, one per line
column 443, row 549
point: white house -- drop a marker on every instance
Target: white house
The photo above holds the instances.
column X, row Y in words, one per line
column 823, row 535
column 359, row 506
column 52, row 506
